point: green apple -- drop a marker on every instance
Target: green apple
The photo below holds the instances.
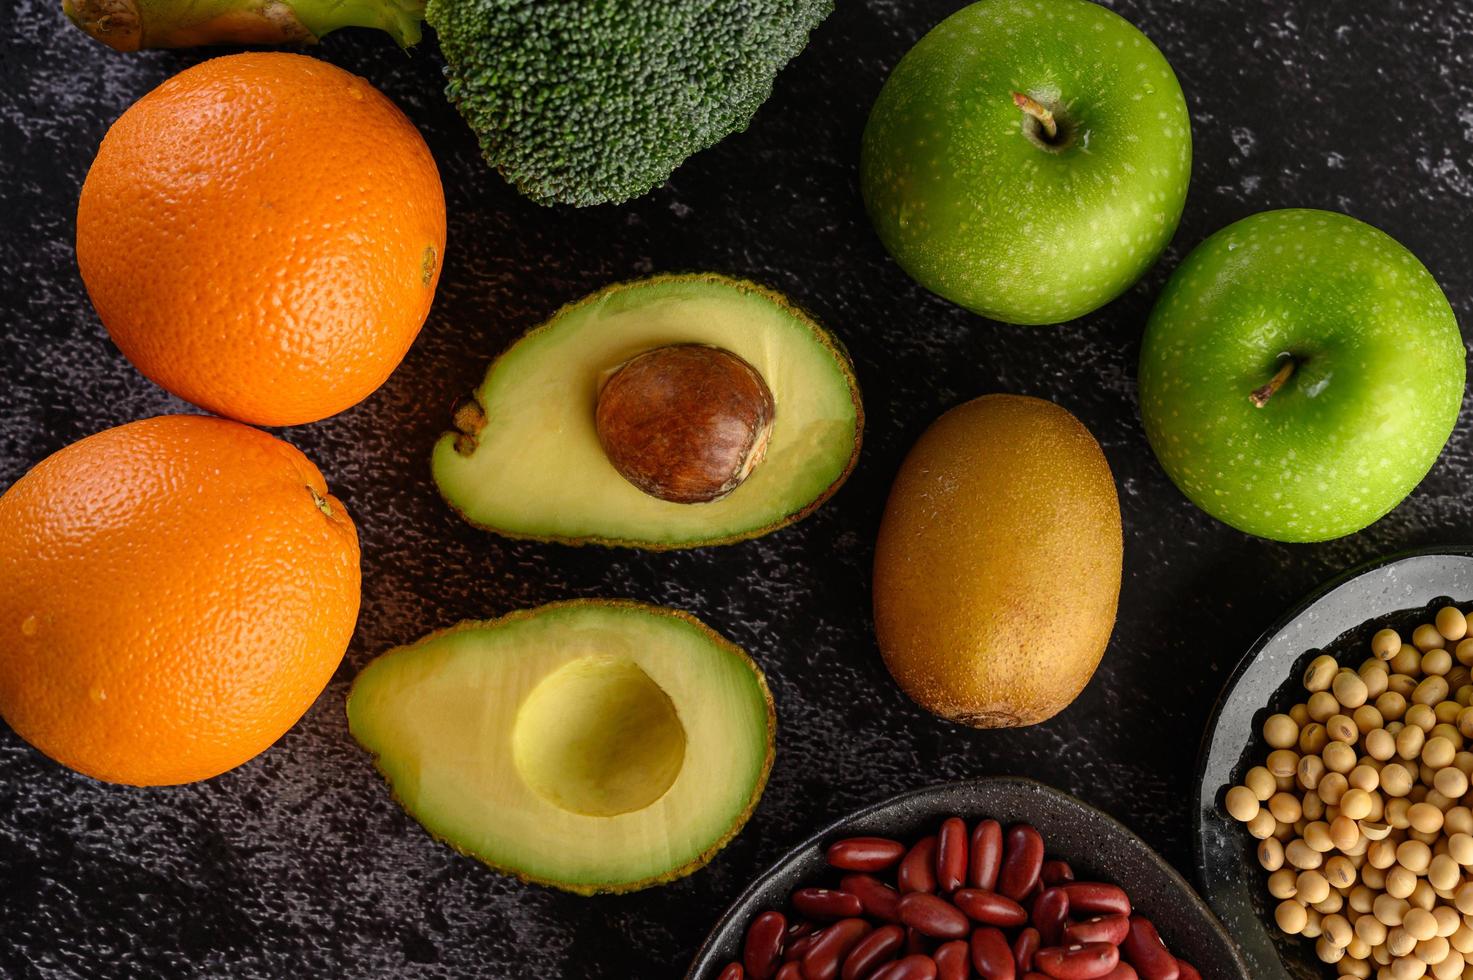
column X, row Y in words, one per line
column 1028, row 159
column 1299, row 374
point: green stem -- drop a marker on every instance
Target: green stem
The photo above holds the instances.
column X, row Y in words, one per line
column 128, row 25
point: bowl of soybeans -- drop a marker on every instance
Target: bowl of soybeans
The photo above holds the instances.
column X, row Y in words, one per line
column 1335, row 818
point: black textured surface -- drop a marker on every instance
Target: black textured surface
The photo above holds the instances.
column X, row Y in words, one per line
column 299, row 864
column 1339, row 619
column 1096, row 846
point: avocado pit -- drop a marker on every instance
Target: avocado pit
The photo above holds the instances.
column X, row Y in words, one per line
column 687, row 423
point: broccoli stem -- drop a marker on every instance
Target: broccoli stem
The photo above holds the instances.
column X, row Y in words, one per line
column 128, row 25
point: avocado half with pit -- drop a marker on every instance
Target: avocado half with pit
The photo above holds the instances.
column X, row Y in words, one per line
column 595, row 746
column 671, row 412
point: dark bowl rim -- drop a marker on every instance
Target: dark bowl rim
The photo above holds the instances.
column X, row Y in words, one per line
column 704, row 952
column 1250, row 656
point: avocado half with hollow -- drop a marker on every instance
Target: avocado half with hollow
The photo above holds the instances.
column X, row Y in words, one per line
column 595, row 746
column 526, row 460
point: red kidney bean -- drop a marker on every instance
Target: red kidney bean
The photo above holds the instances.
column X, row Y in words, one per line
column 1082, row 961
column 1056, row 872
column 1022, row 862
column 763, row 952
column 986, row 855
column 826, row 903
column 917, row 967
column 830, row 946
column 954, row 893
column 990, row 908
column 1024, row 949
column 796, row 949
column 1144, row 950
column 1099, row 929
column 1123, row 971
column 878, row 899
column 1097, row 898
column 1050, row 914
column 951, row 855
column 798, row 929
column 864, row 853
column 991, row 956
column 871, row 952
column 953, row 960
column 933, row 916
column 918, row 868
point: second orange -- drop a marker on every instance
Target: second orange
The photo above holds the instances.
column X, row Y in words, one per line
column 262, row 235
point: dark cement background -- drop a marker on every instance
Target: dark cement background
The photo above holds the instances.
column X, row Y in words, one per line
column 298, row 864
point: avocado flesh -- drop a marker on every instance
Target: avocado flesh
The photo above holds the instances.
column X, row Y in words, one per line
column 593, row 746
column 536, row 468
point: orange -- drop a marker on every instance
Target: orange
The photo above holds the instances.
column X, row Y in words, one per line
column 174, row 594
column 262, row 235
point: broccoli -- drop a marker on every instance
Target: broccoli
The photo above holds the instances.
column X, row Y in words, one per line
column 573, row 101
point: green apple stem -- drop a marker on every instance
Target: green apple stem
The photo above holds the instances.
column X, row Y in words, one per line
column 1260, row 396
column 1040, row 112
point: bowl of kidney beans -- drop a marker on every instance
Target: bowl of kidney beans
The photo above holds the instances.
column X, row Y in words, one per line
column 992, row 879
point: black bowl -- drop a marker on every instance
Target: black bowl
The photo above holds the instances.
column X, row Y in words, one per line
column 1338, row 619
column 1096, row 845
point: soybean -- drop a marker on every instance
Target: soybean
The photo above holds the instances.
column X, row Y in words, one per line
column 1358, row 805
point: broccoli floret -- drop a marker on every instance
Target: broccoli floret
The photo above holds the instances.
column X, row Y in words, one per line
column 574, row 101
column 597, row 101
